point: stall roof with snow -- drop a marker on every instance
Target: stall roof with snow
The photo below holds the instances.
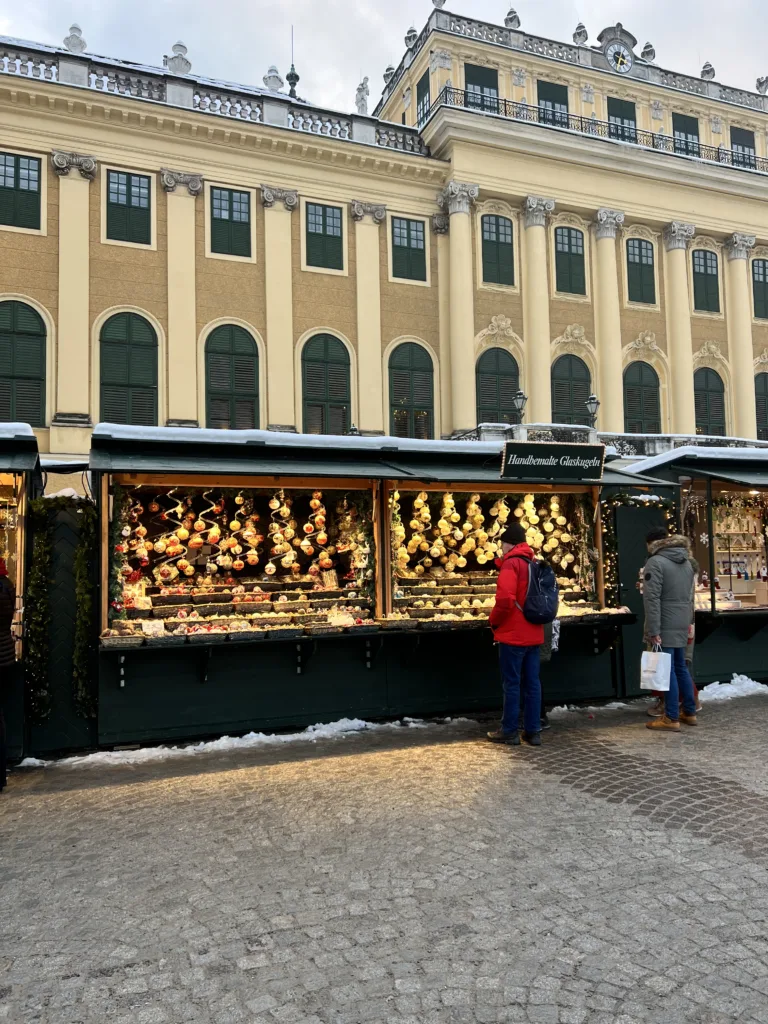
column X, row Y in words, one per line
column 745, row 466
column 18, row 448
column 184, row 450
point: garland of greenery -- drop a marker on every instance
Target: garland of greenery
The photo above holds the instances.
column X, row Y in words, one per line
column 37, row 602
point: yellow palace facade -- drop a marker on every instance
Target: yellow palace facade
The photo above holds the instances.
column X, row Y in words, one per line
column 517, row 215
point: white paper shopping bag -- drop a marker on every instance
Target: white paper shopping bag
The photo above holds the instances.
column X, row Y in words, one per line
column 655, row 670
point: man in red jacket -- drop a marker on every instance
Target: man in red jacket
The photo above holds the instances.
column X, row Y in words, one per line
column 519, row 641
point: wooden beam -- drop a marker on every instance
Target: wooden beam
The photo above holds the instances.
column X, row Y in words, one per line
column 207, row 480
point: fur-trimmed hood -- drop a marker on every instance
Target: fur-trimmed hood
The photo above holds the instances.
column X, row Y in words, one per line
column 676, row 547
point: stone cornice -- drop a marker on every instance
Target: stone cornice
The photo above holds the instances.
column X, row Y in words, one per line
column 63, row 163
column 270, row 195
column 171, row 180
column 376, row 211
column 739, row 247
column 608, row 222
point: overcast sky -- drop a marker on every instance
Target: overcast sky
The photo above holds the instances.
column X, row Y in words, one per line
column 338, row 41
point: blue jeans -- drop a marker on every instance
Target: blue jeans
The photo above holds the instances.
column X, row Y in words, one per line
column 680, row 685
column 520, row 669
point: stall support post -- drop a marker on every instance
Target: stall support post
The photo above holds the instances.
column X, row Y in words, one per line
column 711, row 532
column 600, row 572
column 379, row 534
column 385, row 551
column 104, row 514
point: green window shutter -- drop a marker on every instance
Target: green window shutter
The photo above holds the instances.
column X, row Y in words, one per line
column 129, row 207
column 411, row 392
column 128, row 354
column 760, row 288
column 761, row 405
column 230, row 222
column 491, row 272
column 571, row 387
column 20, row 191
column 409, row 259
column 635, row 282
column 231, row 379
column 569, row 261
column 22, row 364
column 642, row 407
column 497, row 382
column 497, row 252
column 324, row 237
column 326, row 388
column 422, row 97
column 241, row 238
column 709, row 402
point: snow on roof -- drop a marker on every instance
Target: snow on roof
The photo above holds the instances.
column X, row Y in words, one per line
column 104, row 432
column 691, row 451
column 15, row 430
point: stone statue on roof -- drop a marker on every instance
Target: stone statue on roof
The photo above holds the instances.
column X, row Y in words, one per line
column 361, row 97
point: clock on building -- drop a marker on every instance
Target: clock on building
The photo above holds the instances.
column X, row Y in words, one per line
column 619, row 57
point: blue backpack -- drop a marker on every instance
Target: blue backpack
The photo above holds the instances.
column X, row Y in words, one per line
column 541, row 601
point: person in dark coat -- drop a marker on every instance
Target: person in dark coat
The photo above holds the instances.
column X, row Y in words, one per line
column 7, row 653
column 668, row 596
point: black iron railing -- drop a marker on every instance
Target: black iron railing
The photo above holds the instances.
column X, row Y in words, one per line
column 552, row 118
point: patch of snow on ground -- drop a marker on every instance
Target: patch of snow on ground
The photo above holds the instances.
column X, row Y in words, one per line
column 321, row 731
column 739, row 686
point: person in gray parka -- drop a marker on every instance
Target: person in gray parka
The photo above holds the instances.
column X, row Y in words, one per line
column 668, row 596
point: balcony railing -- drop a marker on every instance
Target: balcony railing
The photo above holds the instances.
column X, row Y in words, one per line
column 205, row 96
column 550, row 118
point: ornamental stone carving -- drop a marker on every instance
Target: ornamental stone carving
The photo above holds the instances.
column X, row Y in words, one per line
column 657, row 110
column 74, row 42
column 441, row 223
column 63, row 163
column 439, row 59
column 519, row 76
column 500, row 330
column 738, row 246
column 375, row 211
column 761, row 361
column 171, row 180
column 608, row 222
column 536, row 209
column 710, row 352
column 178, row 64
column 716, row 124
column 588, row 93
column 289, row 197
column 678, row 235
column 574, row 334
column 457, row 197
column 644, row 346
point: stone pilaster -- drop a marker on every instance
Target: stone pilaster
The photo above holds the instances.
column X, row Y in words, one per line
column 739, row 321
column 677, row 237
column 536, row 327
column 608, row 321
column 367, row 218
column 279, row 204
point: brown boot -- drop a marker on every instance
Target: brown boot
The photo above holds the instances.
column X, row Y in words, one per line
column 663, row 723
column 688, row 719
column 656, row 710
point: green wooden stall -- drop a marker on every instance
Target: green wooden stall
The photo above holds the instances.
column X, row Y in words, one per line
column 152, row 694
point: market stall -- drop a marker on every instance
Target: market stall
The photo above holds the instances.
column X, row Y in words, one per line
column 255, row 579
column 724, row 514
column 20, row 481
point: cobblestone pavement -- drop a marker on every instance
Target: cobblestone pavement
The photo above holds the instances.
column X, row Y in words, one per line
column 407, row 876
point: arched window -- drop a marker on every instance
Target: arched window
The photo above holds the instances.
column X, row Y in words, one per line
column 326, row 388
column 709, row 399
column 497, row 380
column 571, row 386
column 231, row 379
column 411, row 392
column 570, row 275
column 498, row 256
column 128, row 361
column 761, row 405
column 642, row 408
column 22, row 364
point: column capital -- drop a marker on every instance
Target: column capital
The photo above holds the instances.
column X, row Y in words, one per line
column 678, row 234
column 170, row 180
column 458, row 197
column 738, row 246
column 536, row 209
column 441, row 223
column 376, row 211
column 63, row 163
column 608, row 222
column 289, row 197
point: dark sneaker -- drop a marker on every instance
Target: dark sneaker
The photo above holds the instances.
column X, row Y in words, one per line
column 499, row 736
column 533, row 739
column 545, row 723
